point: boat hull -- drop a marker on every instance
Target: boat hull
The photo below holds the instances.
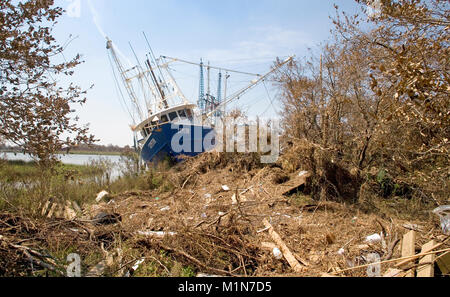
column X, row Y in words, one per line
column 187, row 140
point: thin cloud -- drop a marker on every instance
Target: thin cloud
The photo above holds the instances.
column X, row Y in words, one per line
column 270, row 41
column 95, row 19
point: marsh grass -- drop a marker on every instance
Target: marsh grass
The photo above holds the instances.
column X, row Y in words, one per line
column 25, row 187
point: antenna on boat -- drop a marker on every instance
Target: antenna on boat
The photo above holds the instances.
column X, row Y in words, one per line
column 139, row 76
column 201, row 96
column 159, row 84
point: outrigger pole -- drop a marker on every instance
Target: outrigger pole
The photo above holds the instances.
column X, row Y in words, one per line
column 248, row 88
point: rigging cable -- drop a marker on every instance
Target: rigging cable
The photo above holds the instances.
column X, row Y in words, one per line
column 119, row 91
column 270, row 98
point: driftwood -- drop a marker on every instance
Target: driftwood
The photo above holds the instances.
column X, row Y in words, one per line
column 296, row 266
column 404, row 260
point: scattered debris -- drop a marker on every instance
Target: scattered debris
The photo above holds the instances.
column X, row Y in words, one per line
column 444, row 214
column 234, row 199
column 97, row 270
column 409, row 248
column 207, row 275
column 296, row 266
column 427, row 270
column 107, row 218
column 392, row 272
column 137, row 264
column 444, row 263
column 156, row 234
column 413, row 227
column 373, row 239
column 294, row 184
column 101, row 195
column 277, row 253
column 225, row 188
column 330, row 238
column 194, row 232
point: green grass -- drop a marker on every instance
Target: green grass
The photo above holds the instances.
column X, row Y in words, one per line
column 93, row 153
column 26, row 187
column 19, row 171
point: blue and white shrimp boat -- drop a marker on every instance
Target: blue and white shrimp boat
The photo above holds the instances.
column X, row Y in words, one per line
column 160, row 130
column 171, row 126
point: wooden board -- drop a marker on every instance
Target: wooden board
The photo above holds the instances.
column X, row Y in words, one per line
column 295, row 183
column 296, row 266
column 394, row 273
column 409, row 248
column 444, row 263
column 428, row 269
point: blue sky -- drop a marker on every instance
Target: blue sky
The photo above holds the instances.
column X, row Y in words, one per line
column 240, row 34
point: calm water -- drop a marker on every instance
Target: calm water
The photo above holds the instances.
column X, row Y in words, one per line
column 74, row 160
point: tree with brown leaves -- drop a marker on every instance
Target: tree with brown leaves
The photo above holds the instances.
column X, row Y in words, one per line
column 35, row 111
column 378, row 98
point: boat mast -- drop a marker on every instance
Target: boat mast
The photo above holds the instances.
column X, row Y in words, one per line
column 156, row 83
column 154, row 78
column 201, row 96
column 126, row 80
column 219, row 93
column 141, row 74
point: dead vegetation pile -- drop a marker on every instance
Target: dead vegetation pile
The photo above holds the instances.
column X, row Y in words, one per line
column 226, row 215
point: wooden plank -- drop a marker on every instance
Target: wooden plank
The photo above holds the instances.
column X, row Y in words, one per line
column 444, row 263
column 428, row 269
column 294, row 183
column 296, row 266
column 394, row 273
column 328, row 275
column 268, row 246
column 409, row 248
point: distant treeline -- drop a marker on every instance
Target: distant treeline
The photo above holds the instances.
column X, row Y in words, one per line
column 81, row 148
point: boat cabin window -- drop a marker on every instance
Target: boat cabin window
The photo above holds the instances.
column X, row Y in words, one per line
column 146, row 131
column 182, row 113
column 173, row 115
column 164, row 119
column 189, row 113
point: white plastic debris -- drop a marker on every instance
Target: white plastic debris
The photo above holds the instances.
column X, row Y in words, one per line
column 277, row 253
column 374, row 238
column 158, row 234
column 101, row 195
column 208, row 196
column 225, row 188
column 444, row 214
column 234, row 199
column 302, row 173
column 341, row 252
column 137, row 264
column 167, row 208
column 207, row 275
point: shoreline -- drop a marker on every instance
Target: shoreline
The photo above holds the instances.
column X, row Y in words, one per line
column 86, row 153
